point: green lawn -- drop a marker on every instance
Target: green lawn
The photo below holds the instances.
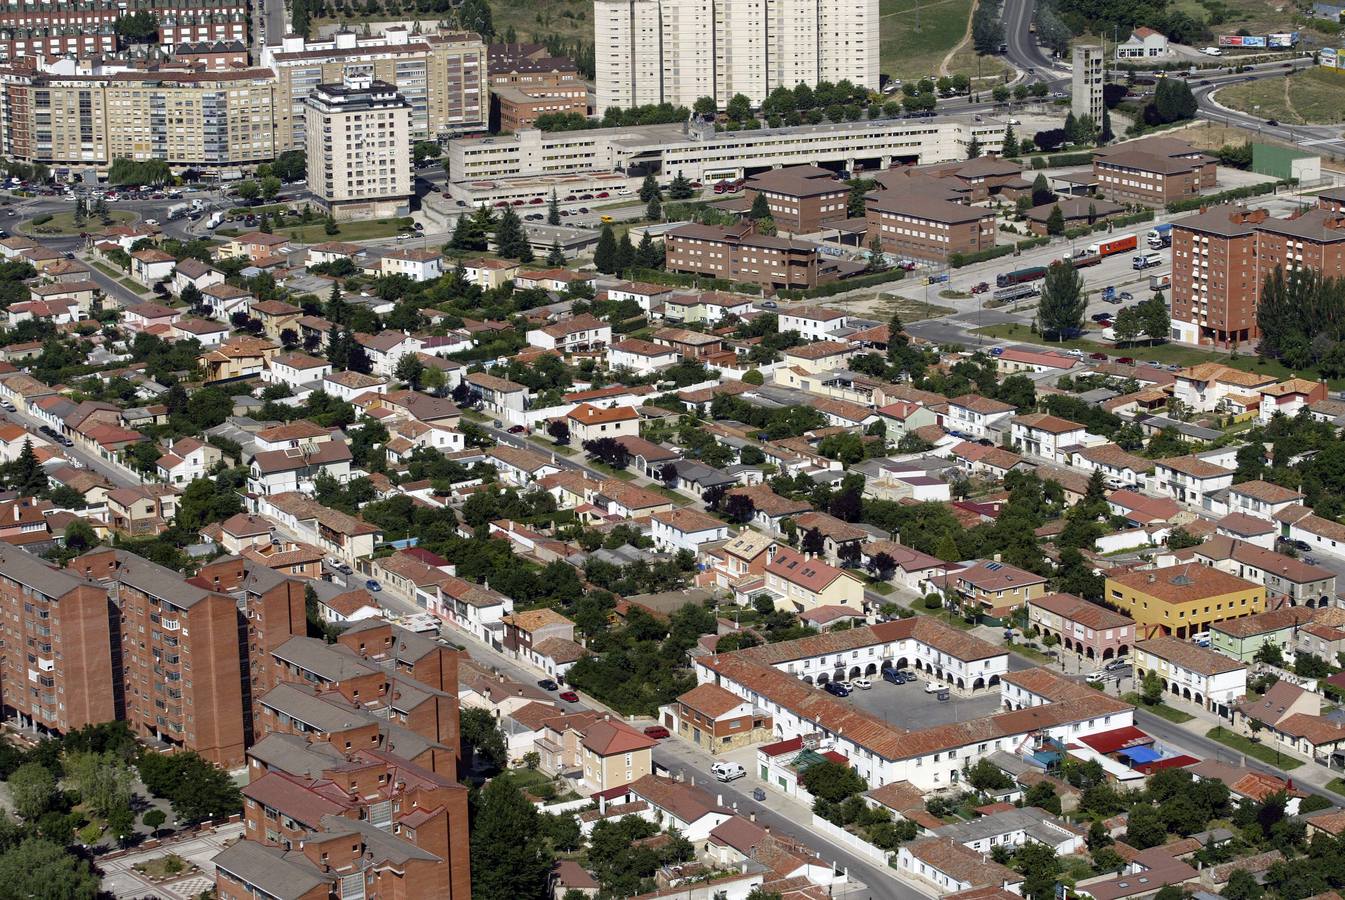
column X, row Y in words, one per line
column 1315, row 96
column 134, row 287
column 906, row 52
column 475, row 416
column 363, row 230
column 109, row 271
column 880, row 587
column 1165, row 712
column 62, row 224
column 1337, row 785
column 1259, row 751
column 1177, row 354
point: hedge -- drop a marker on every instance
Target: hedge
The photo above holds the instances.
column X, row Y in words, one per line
column 1135, row 218
column 677, row 279
column 1241, row 193
column 1062, row 159
column 848, row 284
column 958, row 260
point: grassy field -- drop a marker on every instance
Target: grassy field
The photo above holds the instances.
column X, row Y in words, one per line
column 1337, row 785
column 1315, row 96
column 1166, row 712
column 346, row 231
column 1259, row 751
column 63, row 224
column 984, row 71
column 1173, row 354
column 904, row 51
column 909, row 310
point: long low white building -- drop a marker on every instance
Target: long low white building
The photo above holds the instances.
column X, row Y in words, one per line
column 930, row 758
column 530, row 158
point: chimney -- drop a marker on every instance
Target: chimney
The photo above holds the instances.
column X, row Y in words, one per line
column 1152, row 578
column 752, row 816
column 719, row 799
column 997, row 558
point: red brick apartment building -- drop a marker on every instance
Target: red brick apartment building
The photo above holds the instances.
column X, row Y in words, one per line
column 915, row 223
column 320, row 823
column 739, row 253
column 57, row 669
column 1222, row 255
column 186, row 651
column 526, row 82
column 802, row 199
column 1153, row 171
column 379, row 686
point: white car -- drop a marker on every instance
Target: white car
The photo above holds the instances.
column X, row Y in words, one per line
column 932, row 688
column 151, row 221
column 1096, row 677
column 862, row 683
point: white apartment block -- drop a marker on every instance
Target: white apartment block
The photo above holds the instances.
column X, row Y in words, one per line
column 699, row 153
column 359, row 148
column 676, row 51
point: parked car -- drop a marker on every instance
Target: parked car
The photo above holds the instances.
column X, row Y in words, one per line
column 1098, row 317
column 569, row 696
column 932, row 688
column 892, row 676
column 547, row 684
column 373, row 585
column 980, row 288
column 1096, row 677
column 517, row 429
column 1101, row 356
column 862, row 683
column 836, row 689
column 657, row 732
column 727, row 771
column 1126, row 361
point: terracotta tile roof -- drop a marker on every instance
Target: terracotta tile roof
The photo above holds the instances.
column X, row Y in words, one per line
column 1188, row 656
column 534, row 619
column 559, row 649
column 687, row 520
column 1267, row 492
column 1076, row 609
column 607, row 737
column 1048, row 423
column 1183, row 583
column 813, row 575
column 710, row 699
column 962, row 863
column 587, row 414
column 1316, row 730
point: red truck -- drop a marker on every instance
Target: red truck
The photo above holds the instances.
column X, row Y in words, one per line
column 1103, row 249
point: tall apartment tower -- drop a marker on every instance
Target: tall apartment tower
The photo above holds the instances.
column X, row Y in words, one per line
column 677, row 51
column 1089, row 75
column 359, row 148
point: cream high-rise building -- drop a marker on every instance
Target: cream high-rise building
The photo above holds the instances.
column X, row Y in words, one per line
column 1089, row 76
column 359, row 148
column 677, row 51
column 442, row 75
column 210, row 119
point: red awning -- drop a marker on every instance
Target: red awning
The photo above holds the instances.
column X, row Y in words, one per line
column 1168, row 762
column 1117, row 739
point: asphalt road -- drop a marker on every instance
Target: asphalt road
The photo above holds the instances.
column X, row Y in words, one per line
column 112, row 473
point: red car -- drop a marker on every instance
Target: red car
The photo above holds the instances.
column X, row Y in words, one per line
column 569, row 696
column 536, row 201
column 1126, row 361
column 657, row 732
column 980, row 288
column 1101, row 356
column 571, row 198
column 601, row 195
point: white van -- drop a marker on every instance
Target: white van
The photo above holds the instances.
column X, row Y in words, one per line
column 727, row 771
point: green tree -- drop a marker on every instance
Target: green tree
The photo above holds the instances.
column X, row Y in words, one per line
column 1062, row 305
column 649, row 255
column 1009, row 148
column 510, row 857
column 553, row 209
column 1151, row 688
column 653, row 211
column 1106, row 135
column 739, row 108
column 555, row 256
column 410, row 370
column 32, row 787
column 153, row 819
column 1040, row 868
column 1154, row 316
column 269, row 187
column 604, row 255
column 247, row 190
column 705, row 106
column 510, row 240
column 1055, row 222
column 482, row 737
column 649, row 189
column 103, row 781
column 1144, row 828
column 680, row 188
column 39, row 869
column 974, row 148
column 1041, row 190
column 625, row 254
column 833, row 782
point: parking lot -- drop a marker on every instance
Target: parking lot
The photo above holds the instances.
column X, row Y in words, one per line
column 908, row 706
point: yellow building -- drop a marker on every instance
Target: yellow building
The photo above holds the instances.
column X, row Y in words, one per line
column 1182, row 600
column 801, row 583
column 613, row 754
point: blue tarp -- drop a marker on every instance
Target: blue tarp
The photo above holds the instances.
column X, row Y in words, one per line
column 1140, row 755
